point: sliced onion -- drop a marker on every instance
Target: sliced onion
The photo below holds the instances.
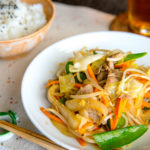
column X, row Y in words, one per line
column 85, row 95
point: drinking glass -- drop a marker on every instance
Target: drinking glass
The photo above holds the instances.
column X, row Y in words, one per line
column 139, row 16
column 136, row 19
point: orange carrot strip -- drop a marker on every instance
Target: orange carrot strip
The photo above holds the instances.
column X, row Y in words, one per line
column 119, row 109
column 95, row 90
column 91, row 73
column 145, row 104
column 124, row 65
column 84, row 127
column 105, row 101
column 51, row 83
column 78, row 85
column 81, row 141
column 141, row 80
column 53, row 117
column 58, row 97
column 111, row 123
column 147, row 95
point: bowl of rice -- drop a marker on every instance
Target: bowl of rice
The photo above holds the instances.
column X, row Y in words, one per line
column 23, row 25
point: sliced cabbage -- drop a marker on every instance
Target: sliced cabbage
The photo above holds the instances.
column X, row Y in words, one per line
column 81, row 63
column 95, row 65
column 66, row 83
column 133, row 87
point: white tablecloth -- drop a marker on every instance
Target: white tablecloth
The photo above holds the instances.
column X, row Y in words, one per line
column 69, row 20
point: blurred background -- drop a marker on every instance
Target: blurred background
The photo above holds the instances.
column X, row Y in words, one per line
column 109, row 6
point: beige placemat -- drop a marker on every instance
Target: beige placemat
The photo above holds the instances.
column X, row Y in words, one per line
column 69, row 20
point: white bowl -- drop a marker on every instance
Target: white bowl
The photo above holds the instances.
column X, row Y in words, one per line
column 44, row 66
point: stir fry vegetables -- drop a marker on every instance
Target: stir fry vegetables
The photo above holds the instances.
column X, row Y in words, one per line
column 101, row 97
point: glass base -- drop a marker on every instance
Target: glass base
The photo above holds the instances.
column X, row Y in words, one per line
column 141, row 30
column 121, row 23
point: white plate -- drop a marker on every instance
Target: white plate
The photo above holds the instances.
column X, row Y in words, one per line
column 44, row 66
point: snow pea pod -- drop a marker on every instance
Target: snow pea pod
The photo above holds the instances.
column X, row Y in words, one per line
column 134, row 56
column 67, row 66
column 119, row 137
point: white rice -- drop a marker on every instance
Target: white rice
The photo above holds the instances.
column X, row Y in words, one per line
column 18, row 19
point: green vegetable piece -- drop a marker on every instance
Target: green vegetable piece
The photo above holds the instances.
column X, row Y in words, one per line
column 119, row 137
column 62, row 100
column 120, row 124
column 145, row 108
column 134, row 56
column 67, row 66
column 82, row 76
column 95, row 53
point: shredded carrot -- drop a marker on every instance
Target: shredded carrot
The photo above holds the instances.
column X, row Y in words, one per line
column 95, row 90
column 81, row 141
column 111, row 123
column 124, row 65
column 119, row 109
column 147, row 95
column 53, row 117
column 141, row 80
column 121, row 65
column 78, row 85
column 58, row 97
column 105, row 100
column 84, row 127
column 145, row 104
column 91, row 73
column 51, row 83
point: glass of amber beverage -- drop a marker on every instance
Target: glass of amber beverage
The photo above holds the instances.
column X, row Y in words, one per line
column 139, row 16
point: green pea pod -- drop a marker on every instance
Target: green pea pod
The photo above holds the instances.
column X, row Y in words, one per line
column 134, row 56
column 119, row 137
column 67, row 66
column 82, row 76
